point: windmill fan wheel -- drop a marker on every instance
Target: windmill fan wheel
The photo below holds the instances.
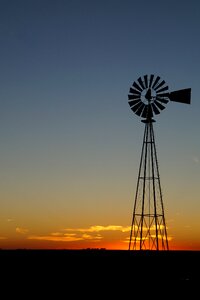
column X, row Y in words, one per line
column 148, row 95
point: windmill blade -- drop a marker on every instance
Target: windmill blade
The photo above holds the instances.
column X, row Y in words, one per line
column 140, row 109
column 135, row 107
column 162, row 95
column 181, row 96
column 141, row 83
column 156, row 111
column 150, row 111
column 151, row 80
column 133, row 91
column 147, row 112
column 156, row 81
column 137, row 112
column 146, row 81
column 144, row 113
column 160, row 106
column 131, row 97
column 137, row 86
column 162, row 100
column 159, row 85
column 162, row 90
column 133, row 102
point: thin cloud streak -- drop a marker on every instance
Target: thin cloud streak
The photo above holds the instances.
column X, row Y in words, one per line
column 98, row 228
column 21, row 230
column 54, row 238
column 10, row 220
column 64, row 238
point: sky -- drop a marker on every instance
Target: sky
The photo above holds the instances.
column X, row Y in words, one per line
column 70, row 144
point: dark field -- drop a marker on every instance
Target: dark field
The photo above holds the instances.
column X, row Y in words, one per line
column 100, row 269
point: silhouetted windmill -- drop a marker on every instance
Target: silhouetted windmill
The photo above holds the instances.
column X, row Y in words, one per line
column 147, row 97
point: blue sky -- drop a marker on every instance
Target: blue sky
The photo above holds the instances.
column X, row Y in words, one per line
column 69, row 143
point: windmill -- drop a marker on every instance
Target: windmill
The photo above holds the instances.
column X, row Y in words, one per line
column 147, row 97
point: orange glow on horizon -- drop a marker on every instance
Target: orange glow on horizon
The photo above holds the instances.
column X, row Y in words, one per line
column 109, row 245
column 111, row 237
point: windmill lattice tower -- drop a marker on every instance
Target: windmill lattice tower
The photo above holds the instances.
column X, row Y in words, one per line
column 148, row 96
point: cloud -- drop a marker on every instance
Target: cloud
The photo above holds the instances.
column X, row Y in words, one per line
column 10, row 220
column 65, row 237
column 56, row 234
column 21, row 230
column 98, row 228
column 137, row 239
column 92, row 233
column 53, row 238
column 91, row 237
column 164, row 238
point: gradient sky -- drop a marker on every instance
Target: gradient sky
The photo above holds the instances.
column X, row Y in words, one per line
column 69, row 143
